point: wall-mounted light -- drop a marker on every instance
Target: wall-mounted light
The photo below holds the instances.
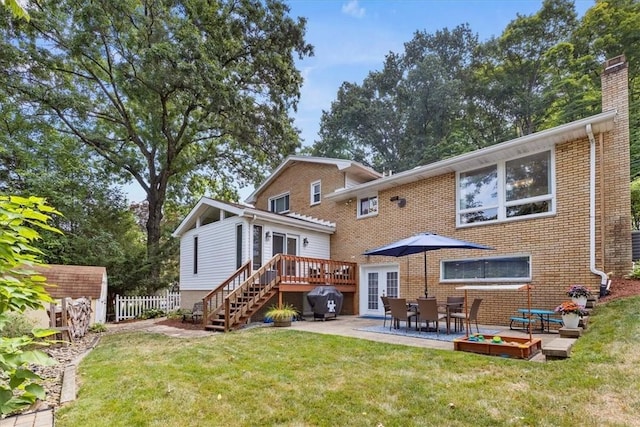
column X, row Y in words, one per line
column 305, row 242
column 401, row 202
column 267, row 235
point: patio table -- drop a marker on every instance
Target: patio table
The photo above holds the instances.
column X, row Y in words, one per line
column 543, row 315
column 443, row 307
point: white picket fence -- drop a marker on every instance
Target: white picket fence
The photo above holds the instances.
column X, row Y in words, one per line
column 133, row 306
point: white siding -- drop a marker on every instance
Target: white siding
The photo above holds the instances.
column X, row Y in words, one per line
column 216, row 254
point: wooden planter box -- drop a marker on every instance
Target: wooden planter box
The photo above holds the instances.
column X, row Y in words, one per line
column 524, row 349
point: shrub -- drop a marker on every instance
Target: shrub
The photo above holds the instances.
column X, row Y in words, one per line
column 635, row 273
column 97, row 328
column 17, row 325
column 152, row 313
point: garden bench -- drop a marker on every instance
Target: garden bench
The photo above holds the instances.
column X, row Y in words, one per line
column 196, row 313
column 526, row 322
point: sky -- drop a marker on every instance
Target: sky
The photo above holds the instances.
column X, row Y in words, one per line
column 352, row 37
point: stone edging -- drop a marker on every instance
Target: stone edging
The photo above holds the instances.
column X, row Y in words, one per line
column 68, row 390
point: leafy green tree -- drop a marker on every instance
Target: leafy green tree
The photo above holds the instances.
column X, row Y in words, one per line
column 409, row 113
column 609, row 29
column 635, row 204
column 21, row 288
column 166, row 92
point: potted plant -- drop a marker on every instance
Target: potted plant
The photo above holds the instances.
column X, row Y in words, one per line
column 579, row 294
column 281, row 315
column 571, row 313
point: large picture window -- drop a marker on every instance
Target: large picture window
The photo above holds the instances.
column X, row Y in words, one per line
column 279, row 204
column 507, row 190
column 496, row 269
column 367, row 206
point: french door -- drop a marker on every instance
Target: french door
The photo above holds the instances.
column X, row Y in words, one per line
column 374, row 283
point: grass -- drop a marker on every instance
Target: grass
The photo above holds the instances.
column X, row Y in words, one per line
column 282, row 377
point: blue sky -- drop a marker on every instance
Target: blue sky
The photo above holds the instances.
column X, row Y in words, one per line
column 352, row 37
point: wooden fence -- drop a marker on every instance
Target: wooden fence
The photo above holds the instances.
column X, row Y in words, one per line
column 130, row 307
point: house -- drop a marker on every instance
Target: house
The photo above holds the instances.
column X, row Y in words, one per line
column 555, row 205
column 75, row 281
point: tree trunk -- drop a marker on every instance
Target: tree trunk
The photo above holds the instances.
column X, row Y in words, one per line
column 155, row 201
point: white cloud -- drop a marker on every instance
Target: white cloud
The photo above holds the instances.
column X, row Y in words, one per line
column 353, row 9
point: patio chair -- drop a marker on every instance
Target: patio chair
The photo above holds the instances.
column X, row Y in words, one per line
column 399, row 312
column 387, row 309
column 455, row 305
column 196, row 313
column 473, row 313
column 428, row 312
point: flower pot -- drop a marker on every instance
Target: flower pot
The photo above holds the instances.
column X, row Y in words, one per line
column 282, row 323
column 580, row 300
column 570, row 320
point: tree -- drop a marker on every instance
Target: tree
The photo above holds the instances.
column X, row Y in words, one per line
column 166, row 92
column 635, row 204
column 409, row 113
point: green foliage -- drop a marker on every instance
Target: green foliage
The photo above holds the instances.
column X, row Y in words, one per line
column 635, row 272
column 282, row 312
column 16, row 325
column 98, row 328
column 152, row 313
column 169, row 95
column 21, row 288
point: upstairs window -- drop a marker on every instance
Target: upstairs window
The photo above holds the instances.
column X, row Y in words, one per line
column 316, row 193
column 367, row 206
column 279, row 204
column 507, row 190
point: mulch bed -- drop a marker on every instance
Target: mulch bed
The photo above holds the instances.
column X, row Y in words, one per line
column 178, row 323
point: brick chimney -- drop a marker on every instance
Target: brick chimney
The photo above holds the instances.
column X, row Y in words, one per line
column 615, row 200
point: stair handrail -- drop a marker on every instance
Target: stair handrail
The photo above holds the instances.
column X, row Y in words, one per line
column 214, row 300
column 233, row 318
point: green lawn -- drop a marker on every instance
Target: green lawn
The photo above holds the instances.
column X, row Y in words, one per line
column 269, row 376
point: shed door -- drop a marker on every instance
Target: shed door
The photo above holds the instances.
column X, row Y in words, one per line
column 375, row 282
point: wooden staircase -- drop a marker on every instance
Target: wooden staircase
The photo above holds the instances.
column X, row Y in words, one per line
column 233, row 303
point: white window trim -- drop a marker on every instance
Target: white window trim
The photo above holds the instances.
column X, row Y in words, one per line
column 370, row 214
column 312, row 194
column 502, row 203
column 278, row 197
column 488, row 280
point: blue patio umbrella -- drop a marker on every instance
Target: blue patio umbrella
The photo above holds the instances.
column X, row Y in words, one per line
column 423, row 242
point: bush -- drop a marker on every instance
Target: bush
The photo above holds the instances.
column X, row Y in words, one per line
column 17, row 325
column 97, row 328
column 635, row 273
column 152, row 313
column 177, row 314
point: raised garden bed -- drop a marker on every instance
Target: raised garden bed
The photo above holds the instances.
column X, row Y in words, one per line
column 511, row 347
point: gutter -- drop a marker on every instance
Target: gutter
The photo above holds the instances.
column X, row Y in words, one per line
column 592, row 213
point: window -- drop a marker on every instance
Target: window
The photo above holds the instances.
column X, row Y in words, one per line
column 195, row 255
column 367, row 206
column 257, row 247
column 507, row 190
column 279, row 204
column 315, row 193
column 498, row 269
column 238, row 246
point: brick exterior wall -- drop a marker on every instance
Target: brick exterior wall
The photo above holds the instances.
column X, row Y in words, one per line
column 558, row 245
column 297, row 180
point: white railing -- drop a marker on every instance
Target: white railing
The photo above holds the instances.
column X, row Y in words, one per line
column 133, row 306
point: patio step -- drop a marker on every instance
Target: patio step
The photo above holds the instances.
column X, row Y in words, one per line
column 559, row 348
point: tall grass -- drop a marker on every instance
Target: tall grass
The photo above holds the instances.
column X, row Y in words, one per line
column 273, row 376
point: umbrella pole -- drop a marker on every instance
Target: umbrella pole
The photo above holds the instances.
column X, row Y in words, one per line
column 529, row 308
column 426, row 290
column 466, row 311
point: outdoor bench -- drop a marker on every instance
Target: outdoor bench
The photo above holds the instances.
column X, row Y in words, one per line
column 524, row 320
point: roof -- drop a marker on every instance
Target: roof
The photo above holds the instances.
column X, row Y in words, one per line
column 74, row 281
column 522, row 146
column 354, row 168
column 291, row 219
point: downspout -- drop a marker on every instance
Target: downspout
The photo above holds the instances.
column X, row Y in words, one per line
column 592, row 212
